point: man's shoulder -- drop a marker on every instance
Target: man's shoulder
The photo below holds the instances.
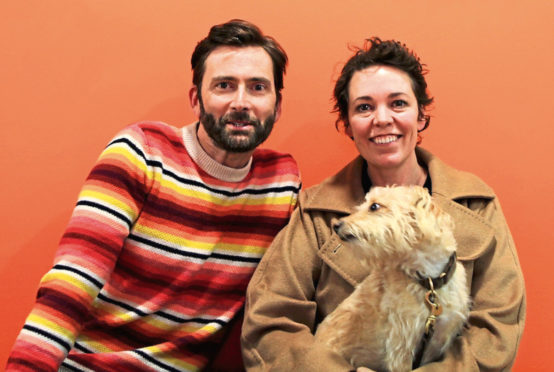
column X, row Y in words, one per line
column 153, row 128
column 271, row 158
column 152, row 136
column 277, row 165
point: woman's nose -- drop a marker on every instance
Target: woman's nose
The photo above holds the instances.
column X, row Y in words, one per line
column 382, row 116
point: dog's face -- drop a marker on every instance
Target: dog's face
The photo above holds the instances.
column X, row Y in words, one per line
column 395, row 221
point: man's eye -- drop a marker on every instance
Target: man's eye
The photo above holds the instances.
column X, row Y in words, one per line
column 259, row 87
column 222, row 85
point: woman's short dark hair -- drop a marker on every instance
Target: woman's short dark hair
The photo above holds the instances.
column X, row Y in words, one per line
column 389, row 53
column 238, row 33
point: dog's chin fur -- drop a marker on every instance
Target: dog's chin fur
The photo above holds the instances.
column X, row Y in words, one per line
column 399, row 233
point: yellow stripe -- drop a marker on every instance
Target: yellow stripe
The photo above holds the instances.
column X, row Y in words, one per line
column 225, row 201
column 160, row 354
column 94, row 345
column 122, row 150
column 201, row 246
column 107, row 199
column 61, row 276
column 46, row 323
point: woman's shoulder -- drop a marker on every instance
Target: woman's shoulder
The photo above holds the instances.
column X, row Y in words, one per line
column 451, row 182
column 337, row 193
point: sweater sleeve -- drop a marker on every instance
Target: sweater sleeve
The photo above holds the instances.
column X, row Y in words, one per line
column 107, row 207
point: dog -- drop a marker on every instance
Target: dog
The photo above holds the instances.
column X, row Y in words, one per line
column 415, row 300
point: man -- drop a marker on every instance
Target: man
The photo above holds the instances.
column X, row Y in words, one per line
column 170, row 225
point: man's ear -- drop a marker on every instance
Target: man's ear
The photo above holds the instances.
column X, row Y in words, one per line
column 278, row 110
column 194, row 101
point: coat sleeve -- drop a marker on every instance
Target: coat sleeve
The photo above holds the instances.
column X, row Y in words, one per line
column 280, row 316
column 491, row 338
column 108, row 205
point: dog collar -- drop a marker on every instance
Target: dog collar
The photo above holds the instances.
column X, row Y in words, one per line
column 435, row 283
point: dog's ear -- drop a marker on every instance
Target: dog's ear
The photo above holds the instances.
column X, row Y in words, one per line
column 423, row 199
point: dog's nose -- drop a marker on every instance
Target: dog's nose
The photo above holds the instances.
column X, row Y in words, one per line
column 337, row 225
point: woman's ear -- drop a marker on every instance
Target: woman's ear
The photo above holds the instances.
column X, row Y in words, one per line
column 348, row 131
column 422, row 120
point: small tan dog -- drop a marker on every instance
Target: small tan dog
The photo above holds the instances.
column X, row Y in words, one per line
column 415, row 286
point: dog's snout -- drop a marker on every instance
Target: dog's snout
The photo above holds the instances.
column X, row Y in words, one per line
column 337, row 225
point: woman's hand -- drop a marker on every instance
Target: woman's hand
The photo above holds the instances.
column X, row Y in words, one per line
column 363, row 369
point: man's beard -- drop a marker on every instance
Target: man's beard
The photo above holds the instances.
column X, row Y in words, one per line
column 234, row 140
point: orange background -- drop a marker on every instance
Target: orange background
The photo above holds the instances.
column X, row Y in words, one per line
column 73, row 72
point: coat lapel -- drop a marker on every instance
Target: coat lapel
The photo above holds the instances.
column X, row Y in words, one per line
column 341, row 193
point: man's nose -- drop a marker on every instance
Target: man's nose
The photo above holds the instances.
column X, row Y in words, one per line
column 241, row 100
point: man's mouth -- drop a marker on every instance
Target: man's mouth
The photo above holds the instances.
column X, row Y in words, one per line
column 239, row 124
column 381, row 140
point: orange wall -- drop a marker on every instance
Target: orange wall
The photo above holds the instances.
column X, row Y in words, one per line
column 74, row 71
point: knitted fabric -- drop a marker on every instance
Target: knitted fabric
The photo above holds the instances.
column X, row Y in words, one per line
column 156, row 256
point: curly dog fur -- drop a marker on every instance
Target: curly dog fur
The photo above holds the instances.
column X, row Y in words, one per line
column 401, row 235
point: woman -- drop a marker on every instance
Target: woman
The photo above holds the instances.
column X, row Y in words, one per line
column 382, row 101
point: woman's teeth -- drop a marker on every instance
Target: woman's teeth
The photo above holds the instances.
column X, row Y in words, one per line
column 384, row 139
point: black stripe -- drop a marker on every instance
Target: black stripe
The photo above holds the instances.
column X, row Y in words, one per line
column 202, row 185
column 70, row 367
column 177, row 319
column 106, row 209
column 82, row 348
column 192, row 254
column 167, row 248
column 131, row 145
column 121, row 304
column 80, row 273
column 160, row 313
column 224, row 192
column 52, row 337
column 235, row 258
column 155, row 361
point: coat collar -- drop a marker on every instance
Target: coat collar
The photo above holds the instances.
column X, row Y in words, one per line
column 342, row 192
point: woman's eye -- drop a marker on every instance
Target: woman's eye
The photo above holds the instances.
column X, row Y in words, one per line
column 374, row 207
column 363, row 107
column 399, row 103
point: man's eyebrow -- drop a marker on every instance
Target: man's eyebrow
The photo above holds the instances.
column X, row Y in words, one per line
column 224, row 78
column 260, row 79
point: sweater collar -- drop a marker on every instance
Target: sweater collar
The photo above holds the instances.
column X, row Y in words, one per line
column 206, row 163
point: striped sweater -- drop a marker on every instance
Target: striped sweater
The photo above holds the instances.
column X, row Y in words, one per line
column 156, row 256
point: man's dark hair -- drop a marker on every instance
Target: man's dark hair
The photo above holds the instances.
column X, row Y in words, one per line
column 238, row 33
column 387, row 53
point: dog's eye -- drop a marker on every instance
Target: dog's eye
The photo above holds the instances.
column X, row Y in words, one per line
column 373, row 207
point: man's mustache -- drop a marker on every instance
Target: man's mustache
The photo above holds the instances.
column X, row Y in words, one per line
column 239, row 116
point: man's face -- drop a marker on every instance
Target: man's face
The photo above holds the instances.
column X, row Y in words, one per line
column 237, row 105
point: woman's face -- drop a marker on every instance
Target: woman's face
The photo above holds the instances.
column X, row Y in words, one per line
column 383, row 118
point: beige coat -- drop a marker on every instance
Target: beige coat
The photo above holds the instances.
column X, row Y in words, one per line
column 308, row 271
